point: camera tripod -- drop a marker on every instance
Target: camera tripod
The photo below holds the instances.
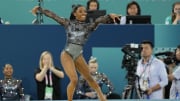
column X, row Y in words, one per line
column 131, row 91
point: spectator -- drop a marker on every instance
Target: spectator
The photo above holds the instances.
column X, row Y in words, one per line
column 92, row 5
column 10, row 88
column 175, row 77
column 132, row 9
column 84, row 91
column 47, row 77
column 175, row 16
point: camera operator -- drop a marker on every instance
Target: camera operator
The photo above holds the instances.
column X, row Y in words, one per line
column 175, row 77
column 152, row 73
column 168, row 57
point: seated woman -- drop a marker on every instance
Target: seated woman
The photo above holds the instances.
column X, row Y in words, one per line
column 84, row 91
column 10, row 88
column 175, row 16
column 92, row 5
column 132, row 9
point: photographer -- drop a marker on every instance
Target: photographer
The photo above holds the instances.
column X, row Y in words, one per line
column 175, row 77
column 175, row 16
column 152, row 73
column 168, row 57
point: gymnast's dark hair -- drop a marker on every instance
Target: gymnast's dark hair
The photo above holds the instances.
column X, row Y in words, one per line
column 74, row 8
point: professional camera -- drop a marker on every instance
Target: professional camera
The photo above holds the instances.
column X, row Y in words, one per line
column 168, row 57
column 130, row 59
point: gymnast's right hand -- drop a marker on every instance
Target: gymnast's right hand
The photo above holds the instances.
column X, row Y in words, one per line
column 35, row 10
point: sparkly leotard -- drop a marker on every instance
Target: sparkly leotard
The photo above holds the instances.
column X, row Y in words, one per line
column 77, row 32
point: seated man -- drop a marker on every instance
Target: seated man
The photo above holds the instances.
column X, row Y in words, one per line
column 84, row 91
column 10, row 88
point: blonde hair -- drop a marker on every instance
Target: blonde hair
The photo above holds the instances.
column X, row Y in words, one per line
column 93, row 59
column 42, row 56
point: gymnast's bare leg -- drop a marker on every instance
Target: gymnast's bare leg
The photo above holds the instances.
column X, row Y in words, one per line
column 82, row 67
column 69, row 68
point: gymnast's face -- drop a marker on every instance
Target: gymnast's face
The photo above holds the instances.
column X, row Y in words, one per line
column 80, row 13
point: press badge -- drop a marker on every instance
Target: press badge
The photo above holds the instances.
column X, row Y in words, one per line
column 144, row 85
column 48, row 93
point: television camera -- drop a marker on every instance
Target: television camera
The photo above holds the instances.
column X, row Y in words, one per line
column 168, row 57
column 130, row 60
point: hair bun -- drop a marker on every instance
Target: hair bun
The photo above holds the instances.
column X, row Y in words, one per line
column 73, row 6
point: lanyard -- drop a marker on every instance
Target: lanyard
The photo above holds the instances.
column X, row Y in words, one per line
column 50, row 79
column 177, row 95
column 147, row 66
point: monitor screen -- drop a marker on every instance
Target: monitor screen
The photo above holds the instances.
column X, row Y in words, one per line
column 143, row 19
column 92, row 15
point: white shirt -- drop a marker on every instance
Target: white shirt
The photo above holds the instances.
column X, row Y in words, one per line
column 155, row 71
column 175, row 87
column 123, row 20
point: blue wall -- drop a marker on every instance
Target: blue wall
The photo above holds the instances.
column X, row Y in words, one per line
column 167, row 36
column 18, row 11
column 21, row 45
